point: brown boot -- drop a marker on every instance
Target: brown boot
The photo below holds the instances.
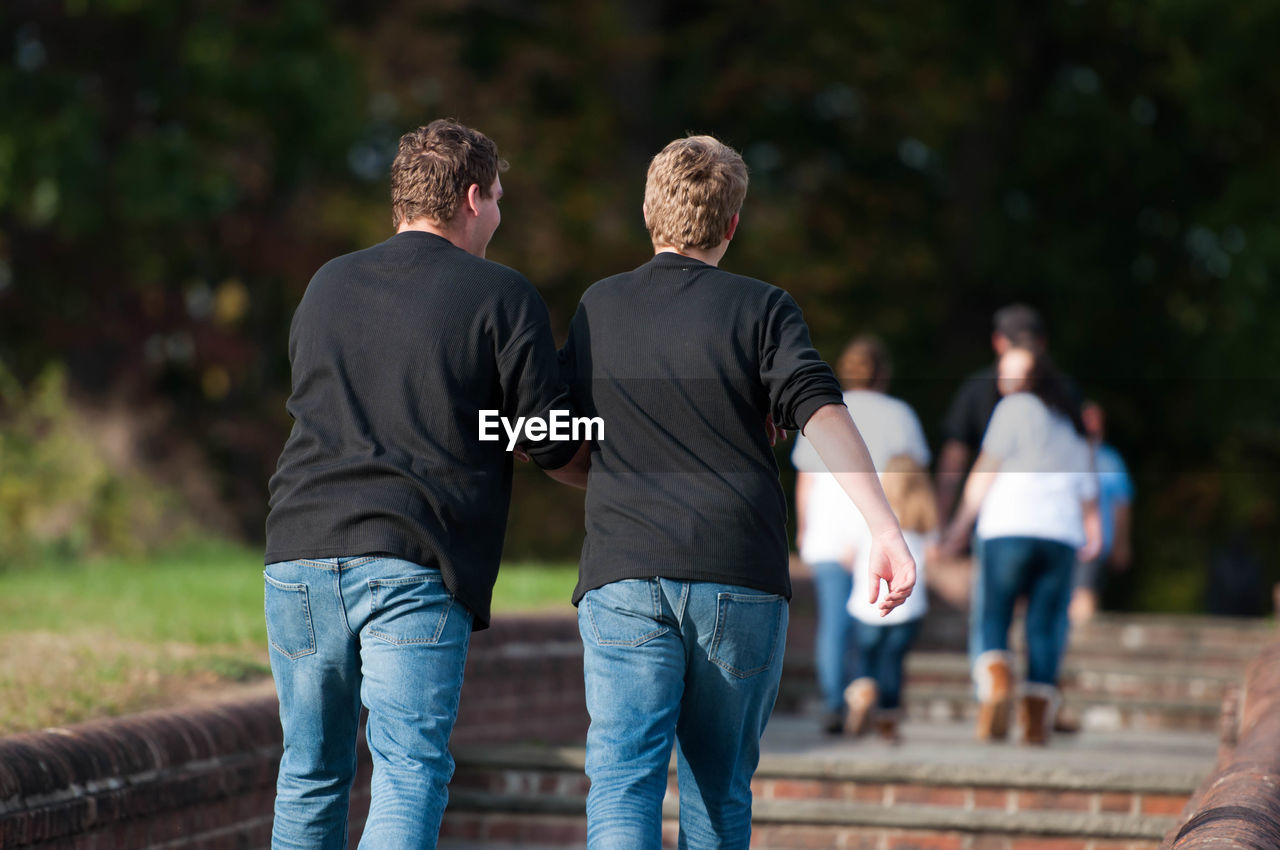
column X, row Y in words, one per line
column 859, row 701
column 995, row 694
column 887, row 726
column 1036, row 714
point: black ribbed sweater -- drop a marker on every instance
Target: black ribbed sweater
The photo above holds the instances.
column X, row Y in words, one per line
column 683, row 361
column 395, row 349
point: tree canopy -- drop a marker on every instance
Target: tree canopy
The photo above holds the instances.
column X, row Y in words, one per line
column 172, row 174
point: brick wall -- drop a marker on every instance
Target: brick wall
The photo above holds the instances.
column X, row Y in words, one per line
column 1239, row 805
column 204, row 777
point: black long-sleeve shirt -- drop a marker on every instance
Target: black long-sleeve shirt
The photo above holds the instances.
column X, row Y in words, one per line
column 683, row 361
column 395, row 350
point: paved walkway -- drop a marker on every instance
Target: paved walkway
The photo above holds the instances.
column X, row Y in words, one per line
column 952, row 745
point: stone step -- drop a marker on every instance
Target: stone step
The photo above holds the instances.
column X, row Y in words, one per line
column 1129, row 636
column 1169, row 680
column 1100, row 712
column 480, row 820
column 939, row 789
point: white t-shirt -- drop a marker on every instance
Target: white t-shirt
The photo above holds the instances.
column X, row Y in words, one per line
column 1046, row 471
column 889, row 427
column 917, row 603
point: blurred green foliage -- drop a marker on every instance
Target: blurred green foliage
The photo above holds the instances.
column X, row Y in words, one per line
column 172, row 174
column 59, row 495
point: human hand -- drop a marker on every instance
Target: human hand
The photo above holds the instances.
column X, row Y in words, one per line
column 773, row 432
column 950, row 543
column 891, row 561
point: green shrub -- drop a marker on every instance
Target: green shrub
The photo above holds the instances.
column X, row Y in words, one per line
column 59, row 495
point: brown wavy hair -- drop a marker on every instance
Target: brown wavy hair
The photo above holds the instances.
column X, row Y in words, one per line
column 435, row 166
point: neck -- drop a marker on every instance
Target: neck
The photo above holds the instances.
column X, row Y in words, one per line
column 710, row 256
column 454, row 234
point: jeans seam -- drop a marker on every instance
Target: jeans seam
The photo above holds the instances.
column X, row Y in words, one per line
column 320, row 565
column 342, row 603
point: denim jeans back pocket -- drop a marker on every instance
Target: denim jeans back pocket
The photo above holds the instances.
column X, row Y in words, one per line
column 624, row 613
column 409, row 610
column 748, row 626
column 288, row 609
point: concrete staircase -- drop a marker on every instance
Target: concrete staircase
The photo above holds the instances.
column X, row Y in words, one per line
column 1149, row 690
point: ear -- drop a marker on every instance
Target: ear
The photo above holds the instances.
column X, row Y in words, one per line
column 733, row 227
column 473, row 199
column 644, row 213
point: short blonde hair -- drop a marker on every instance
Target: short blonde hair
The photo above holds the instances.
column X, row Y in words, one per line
column 695, row 187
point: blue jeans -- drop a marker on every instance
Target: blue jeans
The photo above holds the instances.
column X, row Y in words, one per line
column 1012, row 567
column 696, row 664
column 832, row 584
column 384, row 633
column 881, row 653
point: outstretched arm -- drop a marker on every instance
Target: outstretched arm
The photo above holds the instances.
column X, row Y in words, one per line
column 841, row 448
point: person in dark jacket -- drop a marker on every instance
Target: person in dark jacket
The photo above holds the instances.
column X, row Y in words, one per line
column 387, row 508
column 683, row 584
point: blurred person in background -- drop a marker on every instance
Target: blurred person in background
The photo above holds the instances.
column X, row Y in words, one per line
column 972, row 405
column 683, row 583
column 875, row 695
column 1115, row 498
column 828, row 525
column 1033, row 494
column 387, row 512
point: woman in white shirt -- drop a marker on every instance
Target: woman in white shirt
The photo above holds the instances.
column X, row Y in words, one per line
column 828, row 532
column 1033, row 493
column 883, row 640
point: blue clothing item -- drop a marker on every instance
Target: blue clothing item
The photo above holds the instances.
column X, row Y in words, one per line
column 376, row 631
column 881, row 653
column 1114, row 488
column 1012, row 567
column 695, row 664
column 977, row 602
column 832, row 584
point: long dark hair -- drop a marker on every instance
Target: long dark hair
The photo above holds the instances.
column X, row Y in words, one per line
column 1046, row 383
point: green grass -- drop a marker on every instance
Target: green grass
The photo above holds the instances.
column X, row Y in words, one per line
column 109, row 636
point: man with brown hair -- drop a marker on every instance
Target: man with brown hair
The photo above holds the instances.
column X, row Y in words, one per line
column 387, row 509
column 683, row 585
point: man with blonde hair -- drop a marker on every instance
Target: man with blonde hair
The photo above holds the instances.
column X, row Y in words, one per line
column 387, row 511
column 683, row 584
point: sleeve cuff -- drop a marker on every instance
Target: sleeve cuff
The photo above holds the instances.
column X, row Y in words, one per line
column 552, row 455
column 809, row 405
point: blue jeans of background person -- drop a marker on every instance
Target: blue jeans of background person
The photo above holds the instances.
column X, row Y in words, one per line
column 976, row 600
column 832, row 584
column 384, row 633
column 1040, row 570
column 696, row 664
column 882, row 650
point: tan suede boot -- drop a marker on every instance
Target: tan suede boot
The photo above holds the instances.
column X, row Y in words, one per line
column 995, row 694
column 859, row 701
